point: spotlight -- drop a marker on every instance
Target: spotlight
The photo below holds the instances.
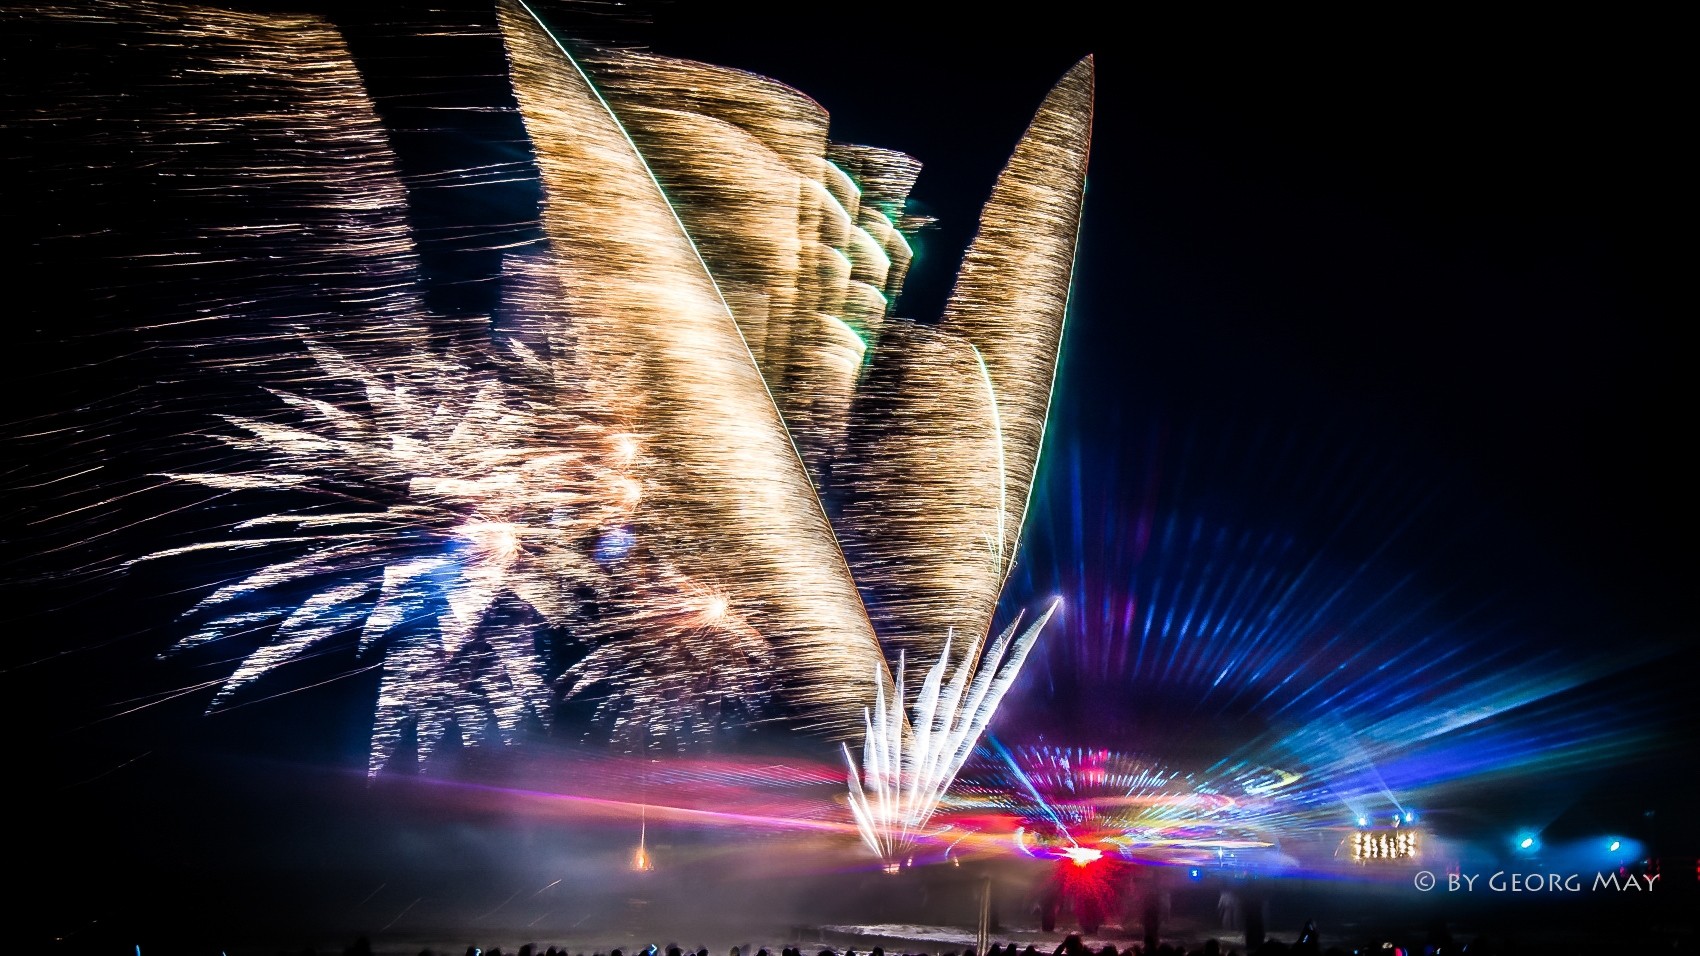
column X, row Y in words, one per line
column 1410, row 817
column 1082, row 855
column 1363, row 821
column 1615, row 846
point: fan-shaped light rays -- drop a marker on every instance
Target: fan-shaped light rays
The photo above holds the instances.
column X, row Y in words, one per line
column 907, row 765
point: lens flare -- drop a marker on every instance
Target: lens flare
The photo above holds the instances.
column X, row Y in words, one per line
column 1083, row 855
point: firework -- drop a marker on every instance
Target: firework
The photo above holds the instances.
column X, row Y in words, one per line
column 908, row 765
column 616, row 490
column 942, row 456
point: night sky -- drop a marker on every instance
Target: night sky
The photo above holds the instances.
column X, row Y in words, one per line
column 1390, row 298
column 1397, row 290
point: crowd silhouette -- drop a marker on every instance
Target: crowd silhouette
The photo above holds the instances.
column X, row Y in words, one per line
column 1437, row 941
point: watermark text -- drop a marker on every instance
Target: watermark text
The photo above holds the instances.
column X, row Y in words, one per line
column 1510, row 881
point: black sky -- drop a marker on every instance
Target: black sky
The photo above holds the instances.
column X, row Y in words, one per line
column 1445, row 243
column 1464, row 225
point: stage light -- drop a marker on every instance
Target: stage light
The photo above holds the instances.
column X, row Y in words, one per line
column 1195, row 873
column 1363, row 821
column 1082, row 855
column 1410, row 817
column 1615, row 845
column 1527, row 842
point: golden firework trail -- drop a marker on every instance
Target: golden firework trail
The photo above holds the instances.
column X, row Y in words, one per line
column 732, row 504
column 698, row 355
column 943, row 454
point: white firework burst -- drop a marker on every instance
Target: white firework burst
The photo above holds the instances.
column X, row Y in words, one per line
column 908, row 765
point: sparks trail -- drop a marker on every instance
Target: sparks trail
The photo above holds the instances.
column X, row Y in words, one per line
column 908, row 765
column 618, row 490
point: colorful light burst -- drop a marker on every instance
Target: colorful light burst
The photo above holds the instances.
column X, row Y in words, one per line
column 1334, row 615
column 1078, row 804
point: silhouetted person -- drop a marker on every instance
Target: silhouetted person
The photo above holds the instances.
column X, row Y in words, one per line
column 1308, row 944
column 1252, row 914
column 1440, row 941
column 1151, row 918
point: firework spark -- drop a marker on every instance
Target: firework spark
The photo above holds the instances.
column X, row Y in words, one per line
column 733, row 505
column 952, row 418
column 908, row 765
column 617, row 490
column 466, row 487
